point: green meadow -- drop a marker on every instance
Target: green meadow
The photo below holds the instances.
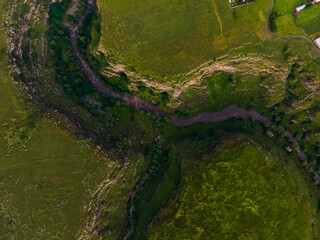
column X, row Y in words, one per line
column 172, row 37
column 240, row 191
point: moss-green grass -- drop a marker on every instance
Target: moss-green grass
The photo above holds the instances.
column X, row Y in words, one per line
column 171, row 37
column 239, row 192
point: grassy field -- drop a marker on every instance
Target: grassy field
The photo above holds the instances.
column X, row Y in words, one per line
column 171, row 37
column 239, row 192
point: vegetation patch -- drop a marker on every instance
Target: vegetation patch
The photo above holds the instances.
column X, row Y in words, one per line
column 239, row 192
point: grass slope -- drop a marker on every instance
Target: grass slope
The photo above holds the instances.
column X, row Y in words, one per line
column 242, row 192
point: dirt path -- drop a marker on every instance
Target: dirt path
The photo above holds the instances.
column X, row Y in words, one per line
column 215, row 8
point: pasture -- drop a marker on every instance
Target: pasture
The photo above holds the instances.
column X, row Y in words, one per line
column 172, row 37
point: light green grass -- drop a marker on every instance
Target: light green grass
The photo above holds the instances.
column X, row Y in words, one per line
column 241, row 192
column 171, row 37
column 286, row 25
